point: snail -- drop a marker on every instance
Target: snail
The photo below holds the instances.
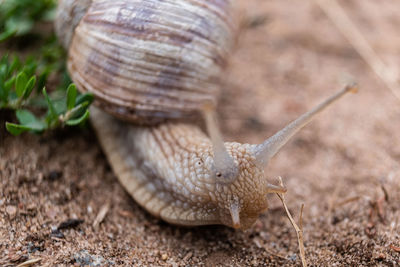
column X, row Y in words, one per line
column 154, row 65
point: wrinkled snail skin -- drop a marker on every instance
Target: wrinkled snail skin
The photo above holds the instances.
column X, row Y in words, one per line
column 151, row 62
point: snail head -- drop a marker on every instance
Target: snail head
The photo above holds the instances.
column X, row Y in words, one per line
column 238, row 169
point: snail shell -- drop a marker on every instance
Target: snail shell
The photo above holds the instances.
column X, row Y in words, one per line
column 147, row 61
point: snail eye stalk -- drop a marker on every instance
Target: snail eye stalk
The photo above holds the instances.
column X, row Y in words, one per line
column 266, row 150
column 224, row 164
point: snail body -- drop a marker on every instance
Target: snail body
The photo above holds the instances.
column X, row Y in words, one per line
column 152, row 63
column 168, row 170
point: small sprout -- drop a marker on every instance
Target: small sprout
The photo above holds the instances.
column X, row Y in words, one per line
column 22, row 82
column 64, row 107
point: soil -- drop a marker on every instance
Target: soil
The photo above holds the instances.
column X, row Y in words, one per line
column 344, row 166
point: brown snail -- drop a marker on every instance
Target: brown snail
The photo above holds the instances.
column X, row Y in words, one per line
column 151, row 63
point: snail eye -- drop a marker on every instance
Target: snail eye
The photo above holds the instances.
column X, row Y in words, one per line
column 198, row 163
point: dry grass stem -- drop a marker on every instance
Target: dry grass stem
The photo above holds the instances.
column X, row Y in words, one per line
column 299, row 230
column 29, row 262
column 101, row 215
column 301, row 217
column 346, row 201
column 275, row 254
column 332, row 201
column 385, row 192
column 395, row 248
column 346, row 26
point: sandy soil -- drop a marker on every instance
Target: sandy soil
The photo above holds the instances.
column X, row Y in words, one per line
column 344, row 166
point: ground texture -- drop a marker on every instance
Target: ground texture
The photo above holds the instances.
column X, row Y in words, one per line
column 344, row 166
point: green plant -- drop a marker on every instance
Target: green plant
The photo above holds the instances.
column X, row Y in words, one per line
column 22, row 83
column 17, row 92
column 18, row 17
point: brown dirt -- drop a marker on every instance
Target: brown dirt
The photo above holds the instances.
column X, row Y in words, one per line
column 337, row 166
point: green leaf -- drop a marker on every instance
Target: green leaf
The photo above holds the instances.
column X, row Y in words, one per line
column 3, row 93
column 7, row 34
column 25, row 116
column 15, row 64
column 71, row 96
column 49, row 15
column 78, row 110
column 79, row 120
column 42, row 80
column 19, row 16
column 3, row 88
column 16, row 129
column 86, row 97
column 50, row 105
column 3, row 71
column 29, row 121
column 20, row 83
column 9, row 83
column 29, row 87
column 4, row 60
column 30, row 66
column 18, row 25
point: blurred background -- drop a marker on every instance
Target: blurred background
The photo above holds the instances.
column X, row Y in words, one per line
column 289, row 56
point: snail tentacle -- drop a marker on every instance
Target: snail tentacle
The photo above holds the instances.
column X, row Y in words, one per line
column 266, row 150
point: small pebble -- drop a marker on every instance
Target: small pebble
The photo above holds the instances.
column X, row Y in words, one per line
column 31, row 206
column 11, row 210
column 70, row 223
column 164, row 257
column 188, row 256
column 54, row 175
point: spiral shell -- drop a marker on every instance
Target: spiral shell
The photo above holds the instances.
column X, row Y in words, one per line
column 150, row 60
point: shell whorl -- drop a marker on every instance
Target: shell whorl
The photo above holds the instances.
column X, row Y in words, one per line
column 151, row 60
column 69, row 14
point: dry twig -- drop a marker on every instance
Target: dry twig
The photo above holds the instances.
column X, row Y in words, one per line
column 337, row 15
column 332, row 201
column 377, row 210
column 29, row 262
column 276, row 254
column 397, row 249
column 101, row 215
column 385, row 192
column 299, row 230
column 344, row 202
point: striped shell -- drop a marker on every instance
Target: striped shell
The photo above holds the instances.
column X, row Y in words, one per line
column 150, row 60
